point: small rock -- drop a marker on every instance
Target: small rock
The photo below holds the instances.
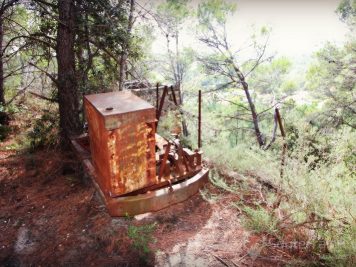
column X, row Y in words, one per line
column 24, row 245
column 142, row 216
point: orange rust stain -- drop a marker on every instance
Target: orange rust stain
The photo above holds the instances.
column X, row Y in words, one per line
column 123, row 157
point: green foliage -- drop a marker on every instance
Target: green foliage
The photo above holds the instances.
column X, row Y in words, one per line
column 4, row 131
column 208, row 196
column 332, row 81
column 44, row 132
column 288, row 87
column 141, row 237
column 6, row 113
column 169, row 123
column 220, row 182
column 320, row 180
column 342, row 247
column 347, row 11
column 214, row 11
column 172, row 16
column 175, row 12
column 259, row 220
column 319, row 175
column 243, row 158
column 272, row 78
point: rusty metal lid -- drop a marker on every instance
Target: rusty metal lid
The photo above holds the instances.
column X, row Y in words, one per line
column 114, row 103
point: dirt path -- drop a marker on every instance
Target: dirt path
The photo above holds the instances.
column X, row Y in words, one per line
column 221, row 237
column 220, row 241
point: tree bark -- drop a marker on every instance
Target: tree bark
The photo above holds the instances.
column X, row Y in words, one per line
column 4, row 118
column 124, row 54
column 2, row 91
column 251, row 104
column 67, row 84
column 253, row 113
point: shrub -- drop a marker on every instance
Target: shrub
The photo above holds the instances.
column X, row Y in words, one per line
column 220, row 182
column 169, row 123
column 141, row 237
column 259, row 220
column 318, row 183
column 44, row 132
column 341, row 245
column 4, row 131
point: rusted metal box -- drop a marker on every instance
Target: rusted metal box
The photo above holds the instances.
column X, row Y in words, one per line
column 122, row 141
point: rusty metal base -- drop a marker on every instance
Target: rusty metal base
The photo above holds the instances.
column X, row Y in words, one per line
column 150, row 201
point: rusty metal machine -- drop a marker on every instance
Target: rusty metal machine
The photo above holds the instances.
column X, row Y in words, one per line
column 134, row 169
column 122, row 141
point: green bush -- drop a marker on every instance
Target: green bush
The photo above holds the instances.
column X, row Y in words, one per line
column 168, row 123
column 259, row 220
column 319, row 181
column 220, row 182
column 142, row 237
column 342, row 247
column 4, row 131
column 45, row 131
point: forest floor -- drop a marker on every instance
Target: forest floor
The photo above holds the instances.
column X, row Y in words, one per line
column 51, row 216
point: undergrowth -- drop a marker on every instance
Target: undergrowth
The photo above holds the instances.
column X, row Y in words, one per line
column 318, row 186
column 259, row 220
column 44, row 132
column 142, row 237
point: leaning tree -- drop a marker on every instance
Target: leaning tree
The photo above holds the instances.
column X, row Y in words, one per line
column 223, row 60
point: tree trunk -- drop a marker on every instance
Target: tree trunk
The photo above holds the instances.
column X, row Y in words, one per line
column 124, row 53
column 4, row 118
column 67, row 84
column 179, row 79
column 2, row 92
column 251, row 104
column 253, row 113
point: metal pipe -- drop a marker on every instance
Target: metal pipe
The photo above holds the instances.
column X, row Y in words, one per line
column 280, row 123
column 164, row 161
column 157, row 96
column 284, row 149
column 199, row 120
column 165, row 91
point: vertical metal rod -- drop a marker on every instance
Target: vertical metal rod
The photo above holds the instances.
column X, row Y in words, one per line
column 165, row 91
column 284, row 149
column 199, row 120
column 164, row 161
column 157, row 96
column 280, row 123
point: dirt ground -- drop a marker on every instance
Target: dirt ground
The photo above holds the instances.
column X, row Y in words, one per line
column 52, row 216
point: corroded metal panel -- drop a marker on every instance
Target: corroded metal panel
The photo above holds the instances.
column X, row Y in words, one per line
column 151, row 201
column 122, row 141
column 119, row 108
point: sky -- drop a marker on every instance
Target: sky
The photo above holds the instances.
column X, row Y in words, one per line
column 299, row 27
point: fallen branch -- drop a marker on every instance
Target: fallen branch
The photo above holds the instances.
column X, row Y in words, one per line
column 306, row 223
column 44, row 97
column 21, row 91
column 221, row 260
